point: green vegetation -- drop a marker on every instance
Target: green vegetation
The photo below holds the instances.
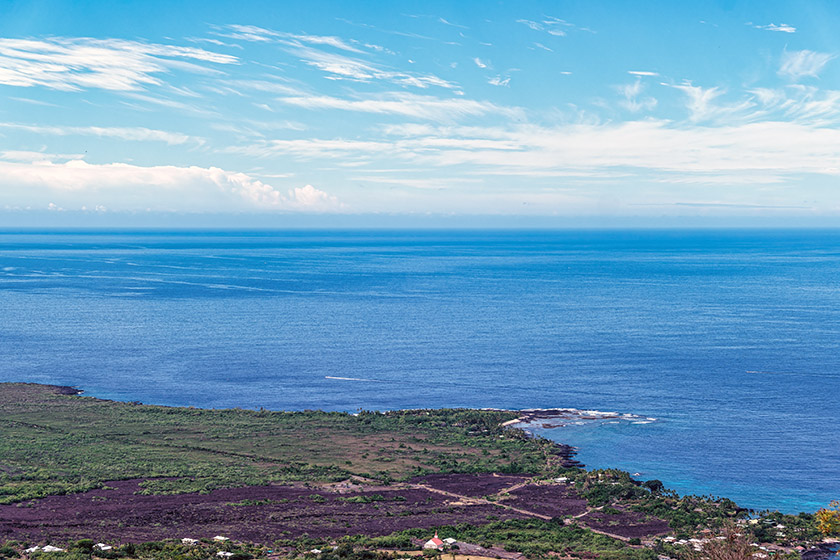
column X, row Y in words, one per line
column 688, row 514
column 605, row 486
column 249, row 503
column 828, row 519
column 534, row 538
column 56, row 444
column 159, row 550
column 369, row 498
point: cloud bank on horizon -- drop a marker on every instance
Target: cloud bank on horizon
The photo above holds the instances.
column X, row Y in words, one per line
column 521, row 108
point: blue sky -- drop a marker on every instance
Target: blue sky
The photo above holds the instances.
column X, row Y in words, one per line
column 719, row 111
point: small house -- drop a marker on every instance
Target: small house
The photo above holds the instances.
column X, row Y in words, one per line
column 434, row 543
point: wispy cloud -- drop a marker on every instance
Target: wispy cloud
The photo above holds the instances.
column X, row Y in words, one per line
column 314, row 148
column 33, row 101
column 406, row 104
column 552, row 25
column 415, row 183
column 123, row 133
column 642, row 73
column 348, row 65
column 801, row 64
column 341, row 67
column 480, row 63
column 31, row 156
column 726, row 205
column 532, row 24
column 632, row 102
column 244, row 87
column 783, row 28
column 795, row 103
column 73, row 64
column 449, row 23
column 499, row 81
column 262, row 35
column 701, row 102
column 799, row 103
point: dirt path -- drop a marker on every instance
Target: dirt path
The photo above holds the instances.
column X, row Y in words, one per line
column 473, row 500
column 516, row 486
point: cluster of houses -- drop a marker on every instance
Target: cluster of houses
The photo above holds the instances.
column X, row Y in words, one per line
column 51, row 548
column 435, row 543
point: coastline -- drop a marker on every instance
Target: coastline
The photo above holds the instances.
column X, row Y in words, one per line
column 478, row 465
column 528, row 420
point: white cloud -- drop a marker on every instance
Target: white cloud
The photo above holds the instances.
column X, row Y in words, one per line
column 800, row 64
column 701, row 102
column 339, row 66
column 655, row 149
column 73, row 64
column 800, row 104
column 313, row 148
column 240, row 87
column 656, row 146
column 642, row 73
column 425, row 183
column 308, row 197
column 410, row 105
column 479, row 63
column 532, row 24
column 121, row 186
column 262, row 35
column 445, row 22
column 784, row 28
column 30, row 156
column 123, row 133
column 631, row 100
column 342, row 67
column 499, row 81
column 247, row 33
column 552, row 25
column 329, row 41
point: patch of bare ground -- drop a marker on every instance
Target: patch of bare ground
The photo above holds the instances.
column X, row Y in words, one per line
column 625, row 523
column 554, row 500
column 470, row 484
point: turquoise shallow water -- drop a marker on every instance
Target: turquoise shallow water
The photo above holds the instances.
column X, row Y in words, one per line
column 729, row 339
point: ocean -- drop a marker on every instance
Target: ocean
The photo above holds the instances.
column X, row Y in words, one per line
column 724, row 343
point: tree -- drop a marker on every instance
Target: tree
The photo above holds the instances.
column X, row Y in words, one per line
column 655, row 486
column 828, row 519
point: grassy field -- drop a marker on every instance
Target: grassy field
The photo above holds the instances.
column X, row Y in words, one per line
column 52, row 443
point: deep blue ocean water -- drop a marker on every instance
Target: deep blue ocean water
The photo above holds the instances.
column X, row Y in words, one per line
column 730, row 339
